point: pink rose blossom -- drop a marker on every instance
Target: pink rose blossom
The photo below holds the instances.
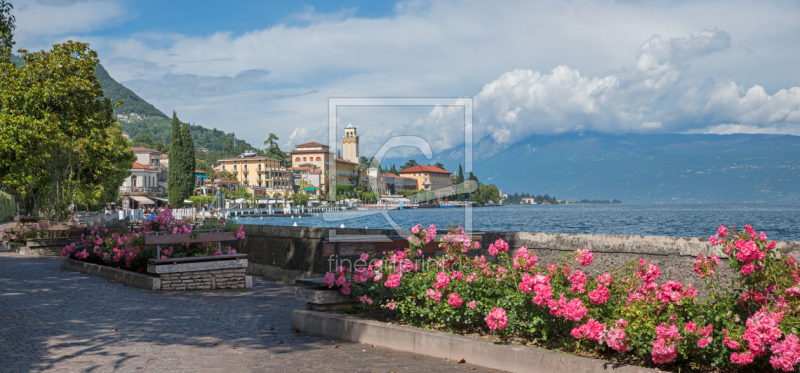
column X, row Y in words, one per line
column 497, row 319
column 390, row 305
column 599, row 295
column 393, row 281
column 471, row 304
column 365, row 299
column 455, row 301
column 584, row 257
column 435, row 295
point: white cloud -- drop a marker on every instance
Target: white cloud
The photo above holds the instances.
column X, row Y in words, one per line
column 43, row 18
column 524, row 102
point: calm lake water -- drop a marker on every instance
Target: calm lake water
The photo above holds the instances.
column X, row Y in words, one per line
column 780, row 221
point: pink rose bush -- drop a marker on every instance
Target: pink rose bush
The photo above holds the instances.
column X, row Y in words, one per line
column 125, row 249
column 748, row 326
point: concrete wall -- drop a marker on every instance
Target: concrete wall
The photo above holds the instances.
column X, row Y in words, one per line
column 285, row 253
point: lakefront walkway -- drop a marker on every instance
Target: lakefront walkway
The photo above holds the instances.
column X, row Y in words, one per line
column 53, row 319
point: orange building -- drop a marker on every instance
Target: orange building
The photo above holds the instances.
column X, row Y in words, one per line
column 428, row 177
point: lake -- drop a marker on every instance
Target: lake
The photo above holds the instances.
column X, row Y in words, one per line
column 779, row 221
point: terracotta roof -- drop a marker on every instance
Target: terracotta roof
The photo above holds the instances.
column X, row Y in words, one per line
column 256, row 157
column 164, row 155
column 424, row 168
column 310, row 144
column 310, row 151
column 199, row 172
column 344, row 161
column 316, row 171
column 389, row 175
column 142, row 149
column 307, row 165
column 139, row 166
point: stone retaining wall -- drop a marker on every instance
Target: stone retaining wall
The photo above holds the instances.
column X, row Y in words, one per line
column 286, row 253
column 204, row 280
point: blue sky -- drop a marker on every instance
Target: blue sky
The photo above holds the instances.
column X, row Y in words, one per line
column 204, row 17
column 531, row 68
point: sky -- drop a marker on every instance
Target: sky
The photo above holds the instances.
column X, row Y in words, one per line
column 543, row 67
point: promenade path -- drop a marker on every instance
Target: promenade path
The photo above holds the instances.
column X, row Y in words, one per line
column 57, row 320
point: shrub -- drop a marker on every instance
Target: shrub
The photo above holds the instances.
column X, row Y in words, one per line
column 8, row 208
column 751, row 325
column 127, row 251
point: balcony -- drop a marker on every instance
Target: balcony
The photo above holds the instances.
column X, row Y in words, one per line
column 140, row 191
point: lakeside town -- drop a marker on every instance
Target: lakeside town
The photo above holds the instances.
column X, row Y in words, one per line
column 132, row 240
column 307, row 176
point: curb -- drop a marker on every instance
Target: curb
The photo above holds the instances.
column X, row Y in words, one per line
column 475, row 351
column 125, row 277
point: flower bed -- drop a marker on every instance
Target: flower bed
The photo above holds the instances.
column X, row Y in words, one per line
column 629, row 314
column 127, row 250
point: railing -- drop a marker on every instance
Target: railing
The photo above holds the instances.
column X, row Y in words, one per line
column 139, row 189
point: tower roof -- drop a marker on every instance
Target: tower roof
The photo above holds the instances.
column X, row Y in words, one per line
column 350, row 125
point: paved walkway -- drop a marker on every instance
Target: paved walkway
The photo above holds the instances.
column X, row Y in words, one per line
column 53, row 319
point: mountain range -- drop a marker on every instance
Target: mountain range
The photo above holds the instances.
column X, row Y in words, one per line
column 637, row 168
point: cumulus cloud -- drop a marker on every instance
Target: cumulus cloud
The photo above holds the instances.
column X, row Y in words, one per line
column 44, row 17
column 523, row 102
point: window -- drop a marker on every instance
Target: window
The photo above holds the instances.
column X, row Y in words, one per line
column 234, row 168
column 223, row 167
column 319, row 159
column 304, row 159
column 259, row 166
column 297, row 159
column 133, row 180
column 245, row 168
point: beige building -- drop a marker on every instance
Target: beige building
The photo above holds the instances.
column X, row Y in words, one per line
column 262, row 175
column 318, row 156
column 427, row 177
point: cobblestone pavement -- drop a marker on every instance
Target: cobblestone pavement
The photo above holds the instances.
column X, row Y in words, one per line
column 52, row 319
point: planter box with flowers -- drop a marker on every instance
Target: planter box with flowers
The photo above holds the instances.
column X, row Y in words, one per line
column 169, row 250
column 629, row 315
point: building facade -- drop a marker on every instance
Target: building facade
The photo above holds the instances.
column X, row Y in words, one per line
column 318, row 156
column 427, row 177
column 154, row 159
column 263, row 176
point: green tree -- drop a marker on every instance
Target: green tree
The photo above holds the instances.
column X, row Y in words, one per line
column 144, row 140
column 189, row 160
column 54, row 141
column 96, row 195
column 176, row 165
column 227, row 147
column 159, row 146
column 460, row 175
column 300, row 199
column 6, row 31
column 439, row 164
column 409, row 163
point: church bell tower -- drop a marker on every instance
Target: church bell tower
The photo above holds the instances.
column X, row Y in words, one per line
column 350, row 143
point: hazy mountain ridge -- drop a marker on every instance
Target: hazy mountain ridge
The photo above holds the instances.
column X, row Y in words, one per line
column 641, row 168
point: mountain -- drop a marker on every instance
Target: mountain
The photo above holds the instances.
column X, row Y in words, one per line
column 640, row 168
column 131, row 103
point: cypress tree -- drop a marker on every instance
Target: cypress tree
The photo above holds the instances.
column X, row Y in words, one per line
column 460, row 177
column 188, row 153
column 174, row 178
